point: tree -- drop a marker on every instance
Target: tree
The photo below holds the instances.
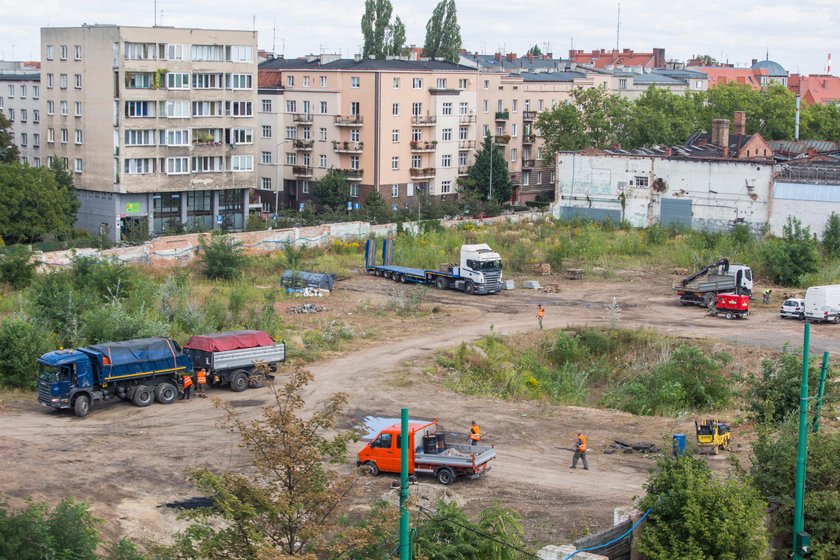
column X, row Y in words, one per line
column 395, row 38
column 376, row 210
column 776, row 113
column 67, row 191
column 35, row 532
column 22, row 342
column 661, row 117
column 694, row 515
column 16, row 267
column 333, row 190
column 376, row 23
column 478, row 175
column 831, row 237
column 288, row 507
column 562, row 129
column 722, row 101
column 788, row 259
column 535, row 50
column 222, row 256
column 706, row 60
column 820, row 122
column 594, row 119
column 34, row 204
column 8, row 151
column 443, row 34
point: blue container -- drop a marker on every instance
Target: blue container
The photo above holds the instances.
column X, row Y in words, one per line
column 679, row 445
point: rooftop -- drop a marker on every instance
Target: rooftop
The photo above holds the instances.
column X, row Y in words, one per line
column 365, row 64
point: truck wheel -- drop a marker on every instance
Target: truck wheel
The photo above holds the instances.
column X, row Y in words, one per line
column 469, row 288
column 257, row 380
column 377, row 272
column 445, row 476
column 239, row 381
column 143, row 396
column 396, row 277
column 728, row 315
column 166, row 393
column 403, row 279
column 82, row 406
column 801, row 316
column 440, row 283
column 371, row 469
column 709, row 301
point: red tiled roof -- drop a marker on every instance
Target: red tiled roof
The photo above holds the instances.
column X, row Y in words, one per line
column 270, row 78
column 719, row 75
column 816, row 88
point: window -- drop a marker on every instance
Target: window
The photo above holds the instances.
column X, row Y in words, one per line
column 306, row 81
column 207, row 108
column 23, row 116
column 78, row 166
column 322, row 134
column 209, row 53
column 446, row 160
column 441, row 83
column 526, row 178
column 462, row 159
column 36, row 92
column 139, row 166
column 239, row 81
column 291, row 158
column 242, row 163
column 266, row 105
column 78, row 81
column 499, row 106
column 176, row 52
column 49, row 80
column 395, row 191
column 447, row 108
column 395, row 83
column 539, row 177
column 208, row 164
column 238, row 53
column 513, row 154
column 355, row 135
column 11, row 91
column 206, row 81
column 445, row 187
column 307, row 133
column 416, row 134
column 307, row 160
column 78, row 136
column 140, row 51
column 641, row 182
column 239, row 109
column 354, row 191
column 486, row 84
column 527, row 105
column 513, row 129
column 446, row 134
column 513, row 105
column 36, row 116
column 323, row 81
column 37, row 161
column 395, row 109
column 551, row 177
column 78, row 108
column 139, row 137
column 50, row 135
column 266, row 131
column 242, row 135
column 62, row 52
column 354, row 82
column 139, row 80
column 11, row 116
column 463, row 133
column 291, row 106
column 24, row 139
column 355, row 108
column 290, row 81
column 22, row 91
column 63, row 105
column 463, row 108
column 354, row 162
column 485, row 105
column 395, row 162
column 291, row 132
column 485, row 130
column 416, row 109
column 177, row 109
column 416, row 162
column 265, row 183
column 463, row 83
column 175, row 137
column 50, row 52
column 395, row 135
column 417, row 83
column 177, row 80
column 322, row 161
column 622, row 83
column 323, row 107
column 539, row 105
column 77, row 52
column 539, row 152
column 304, row 186
column 265, row 157
column 62, row 81
column 65, row 136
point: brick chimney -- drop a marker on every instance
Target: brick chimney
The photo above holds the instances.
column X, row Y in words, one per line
column 531, row 58
column 669, row 152
column 739, row 123
column 720, row 133
column 498, row 57
column 511, row 57
column 659, row 58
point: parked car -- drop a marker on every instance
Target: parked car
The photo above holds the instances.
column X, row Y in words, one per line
column 793, row 308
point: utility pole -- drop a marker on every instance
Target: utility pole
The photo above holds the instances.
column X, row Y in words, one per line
column 801, row 539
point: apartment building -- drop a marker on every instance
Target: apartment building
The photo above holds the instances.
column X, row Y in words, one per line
column 402, row 128
column 157, row 124
column 20, row 93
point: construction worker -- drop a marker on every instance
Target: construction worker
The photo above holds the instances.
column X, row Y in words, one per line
column 580, row 452
column 475, row 433
column 765, row 295
column 186, row 382
column 201, row 381
column 540, row 313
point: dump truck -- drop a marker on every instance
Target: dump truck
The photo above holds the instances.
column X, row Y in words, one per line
column 429, row 453
column 712, row 435
column 717, row 278
column 479, row 270
column 230, row 358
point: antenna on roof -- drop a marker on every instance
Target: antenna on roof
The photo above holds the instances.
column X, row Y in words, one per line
column 274, row 37
column 155, row 13
column 161, row 17
column 618, row 27
column 767, row 54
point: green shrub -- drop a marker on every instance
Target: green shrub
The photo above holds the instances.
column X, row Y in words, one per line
column 22, row 342
column 16, row 268
column 788, row 259
column 831, row 237
column 221, row 255
column 111, row 322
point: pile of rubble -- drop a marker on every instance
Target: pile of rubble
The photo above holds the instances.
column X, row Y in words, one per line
column 551, row 289
column 307, row 308
column 543, row 269
column 643, row 447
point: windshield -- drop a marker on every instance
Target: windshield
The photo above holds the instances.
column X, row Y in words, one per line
column 489, row 265
column 47, row 374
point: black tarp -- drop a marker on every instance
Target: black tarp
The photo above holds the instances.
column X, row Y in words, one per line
column 300, row 279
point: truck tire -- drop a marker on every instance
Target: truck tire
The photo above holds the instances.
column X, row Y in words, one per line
column 469, row 287
column 256, row 380
column 709, row 300
column 396, row 277
column 441, row 283
column 239, row 380
column 143, row 396
column 445, row 476
column 371, row 469
column 728, row 315
column 377, row 272
column 166, row 393
column 82, row 406
column 403, row 279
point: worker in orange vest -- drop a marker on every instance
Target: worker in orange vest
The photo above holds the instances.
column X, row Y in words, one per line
column 540, row 313
column 580, row 452
column 186, row 381
column 201, row 381
column 475, row 433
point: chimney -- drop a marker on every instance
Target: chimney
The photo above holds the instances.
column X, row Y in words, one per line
column 739, row 123
column 726, row 151
column 498, row 57
column 668, row 152
column 511, row 57
column 357, row 57
column 720, row 133
column 659, row 58
column 754, row 61
column 531, row 58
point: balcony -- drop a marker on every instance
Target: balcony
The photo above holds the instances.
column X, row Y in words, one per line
column 466, row 119
column 302, row 117
column 529, row 115
column 348, row 147
column 502, row 139
column 304, row 145
column 463, row 170
column 419, row 120
column 502, row 115
column 422, row 172
column 528, row 163
column 420, row 146
column 464, row 145
column 529, row 138
column 353, row 174
column 302, row 171
column 352, row 120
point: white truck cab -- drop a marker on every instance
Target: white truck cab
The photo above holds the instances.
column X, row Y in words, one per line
column 482, row 266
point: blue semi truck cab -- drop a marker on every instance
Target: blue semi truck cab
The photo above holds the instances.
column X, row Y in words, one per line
column 141, row 370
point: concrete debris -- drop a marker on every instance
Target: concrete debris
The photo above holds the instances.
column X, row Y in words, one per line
column 551, row 289
column 510, row 285
column 307, row 308
column 642, row 447
column 531, row 285
column 543, row 269
column 574, row 273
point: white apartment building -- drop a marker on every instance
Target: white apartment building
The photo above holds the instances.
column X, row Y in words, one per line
column 20, row 94
column 157, row 124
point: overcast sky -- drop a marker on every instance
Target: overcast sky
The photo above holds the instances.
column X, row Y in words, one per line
column 799, row 34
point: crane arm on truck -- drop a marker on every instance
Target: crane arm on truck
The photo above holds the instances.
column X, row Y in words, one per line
column 705, row 270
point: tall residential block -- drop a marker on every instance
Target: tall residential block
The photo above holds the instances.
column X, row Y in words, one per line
column 157, row 124
column 20, row 92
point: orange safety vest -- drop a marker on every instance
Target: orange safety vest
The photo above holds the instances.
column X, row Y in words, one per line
column 540, row 312
column 201, row 377
column 187, row 382
column 475, row 433
column 581, row 443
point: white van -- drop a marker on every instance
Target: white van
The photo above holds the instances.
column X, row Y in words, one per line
column 822, row 303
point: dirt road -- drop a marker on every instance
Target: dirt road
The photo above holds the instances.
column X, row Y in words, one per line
column 127, row 462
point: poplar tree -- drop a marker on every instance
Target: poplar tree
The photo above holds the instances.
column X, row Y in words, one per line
column 375, row 23
column 443, row 34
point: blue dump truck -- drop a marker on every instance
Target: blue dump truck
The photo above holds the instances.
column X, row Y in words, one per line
column 479, row 271
column 148, row 369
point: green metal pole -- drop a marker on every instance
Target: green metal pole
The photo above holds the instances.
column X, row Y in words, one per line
column 823, row 373
column 405, row 544
column 799, row 507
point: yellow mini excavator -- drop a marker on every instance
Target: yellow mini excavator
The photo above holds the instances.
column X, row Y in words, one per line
column 712, row 436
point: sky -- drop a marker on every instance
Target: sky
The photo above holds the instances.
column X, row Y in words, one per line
column 799, row 35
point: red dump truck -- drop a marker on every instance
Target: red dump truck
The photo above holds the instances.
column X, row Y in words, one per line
column 429, row 453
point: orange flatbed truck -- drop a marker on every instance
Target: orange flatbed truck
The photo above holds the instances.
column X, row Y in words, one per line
column 429, row 453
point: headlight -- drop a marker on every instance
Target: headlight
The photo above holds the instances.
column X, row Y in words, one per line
column 56, row 400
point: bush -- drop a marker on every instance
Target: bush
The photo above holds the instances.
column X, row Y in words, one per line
column 22, row 342
column 221, row 255
column 112, row 322
column 831, row 237
column 788, row 259
column 16, row 267
column 35, row 532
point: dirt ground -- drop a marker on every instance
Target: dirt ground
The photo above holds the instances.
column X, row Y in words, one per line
column 128, row 462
